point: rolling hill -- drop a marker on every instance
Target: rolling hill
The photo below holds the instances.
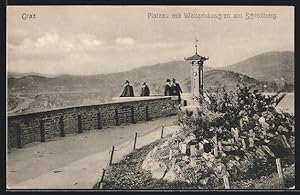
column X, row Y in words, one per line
column 275, row 66
column 110, row 84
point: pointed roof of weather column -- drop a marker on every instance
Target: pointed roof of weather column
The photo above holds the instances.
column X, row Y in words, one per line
column 196, row 56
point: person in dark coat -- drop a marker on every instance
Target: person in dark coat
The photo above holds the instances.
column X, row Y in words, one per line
column 128, row 90
column 145, row 90
column 176, row 89
column 168, row 88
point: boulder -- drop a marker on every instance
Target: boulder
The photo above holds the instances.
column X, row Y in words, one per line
column 148, row 161
column 190, row 138
column 165, row 144
column 171, row 176
column 183, row 147
column 282, row 129
column 227, row 142
column 208, row 156
column 228, row 148
column 219, row 169
column 263, row 123
column 204, row 181
column 175, row 152
column 185, row 158
column 158, row 170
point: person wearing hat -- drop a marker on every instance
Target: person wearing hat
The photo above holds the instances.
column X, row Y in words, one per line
column 128, row 90
column 145, row 90
column 176, row 89
column 168, row 88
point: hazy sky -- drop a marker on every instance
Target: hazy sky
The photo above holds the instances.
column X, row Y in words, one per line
column 102, row 39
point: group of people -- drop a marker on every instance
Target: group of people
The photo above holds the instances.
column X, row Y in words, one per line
column 128, row 90
column 172, row 88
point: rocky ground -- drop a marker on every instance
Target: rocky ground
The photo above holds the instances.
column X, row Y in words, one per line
column 128, row 174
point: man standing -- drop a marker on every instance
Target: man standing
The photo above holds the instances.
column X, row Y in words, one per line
column 145, row 90
column 176, row 89
column 128, row 90
column 168, row 88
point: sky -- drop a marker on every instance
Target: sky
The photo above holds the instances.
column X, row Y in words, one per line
column 85, row 40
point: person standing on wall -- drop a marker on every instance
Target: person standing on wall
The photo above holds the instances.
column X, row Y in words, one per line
column 128, row 90
column 176, row 90
column 168, row 88
column 145, row 90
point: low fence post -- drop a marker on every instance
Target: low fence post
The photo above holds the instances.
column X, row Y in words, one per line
column 170, row 154
column 134, row 142
column 280, row 173
column 173, row 163
column 111, row 155
column 162, row 132
column 183, row 148
column 216, row 151
column 100, row 182
column 192, row 150
column 226, row 182
column 193, row 161
column 201, row 148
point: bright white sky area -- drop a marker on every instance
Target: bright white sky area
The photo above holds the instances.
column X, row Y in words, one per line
column 104, row 39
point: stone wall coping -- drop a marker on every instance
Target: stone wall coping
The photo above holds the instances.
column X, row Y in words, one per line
column 135, row 99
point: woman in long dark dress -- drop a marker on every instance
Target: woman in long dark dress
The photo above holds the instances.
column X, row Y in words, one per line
column 145, row 90
column 128, row 90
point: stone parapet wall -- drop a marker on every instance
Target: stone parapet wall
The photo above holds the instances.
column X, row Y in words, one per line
column 23, row 129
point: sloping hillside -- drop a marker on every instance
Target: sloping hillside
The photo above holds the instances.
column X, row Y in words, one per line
column 221, row 78
column 270, row 66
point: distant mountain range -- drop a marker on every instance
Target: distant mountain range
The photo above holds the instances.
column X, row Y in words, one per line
column 20, row 75
column 263, row 69
column 270, row 66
